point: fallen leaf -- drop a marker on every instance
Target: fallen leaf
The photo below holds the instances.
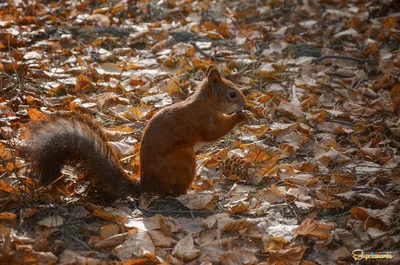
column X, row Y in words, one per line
column 109, row 242
column 160, row 239
column 36, row 115
column 137, row 243
column 198, row 201
column 238, row 256
column 185, row 249
column 289, row 255
column 315, row 229
column 52, row 221
column 109, row 230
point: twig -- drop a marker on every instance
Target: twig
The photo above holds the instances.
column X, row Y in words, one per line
column 191, row 212
column 3, row 175
column 345, row 174
column 205, row 54
column 12, row 58
column 291, row 208
column 343, row 122
column 81, row 242
column 358, row 83
column 342, row 57
column 289, row 10
column 361, row 80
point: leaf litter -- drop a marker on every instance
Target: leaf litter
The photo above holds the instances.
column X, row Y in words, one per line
column 317, row 178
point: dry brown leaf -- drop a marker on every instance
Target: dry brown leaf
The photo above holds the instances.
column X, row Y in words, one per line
column 238, row 256
column 104, row 215
column 109, row 230
column 271, row 195
column 44, row 234
column 8, row 218
column 185, row 249
column 109, row 242
column 289, row 255
column 4, row 153
column 289, row 110
column 160, row 239
column 28, row 256
column 28, row 212
column 198, row 201
column 148, row 258
column 237, row 225
column 168, row 225
column 313, row 228
column 36, row 115
column 5, row 231
column 68, row 257
column 83, row 84
column 380, row 218
column 210, row 220
column 137, row 243
column 4, row 186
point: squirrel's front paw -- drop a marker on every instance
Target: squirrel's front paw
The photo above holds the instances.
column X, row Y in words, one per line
column 249, row 117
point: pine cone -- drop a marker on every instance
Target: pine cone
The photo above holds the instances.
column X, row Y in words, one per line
column 237, row 168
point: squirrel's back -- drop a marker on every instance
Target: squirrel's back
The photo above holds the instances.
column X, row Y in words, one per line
column 75, row 140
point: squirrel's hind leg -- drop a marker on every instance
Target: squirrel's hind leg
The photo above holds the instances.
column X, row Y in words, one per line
column 172, row 173
column 181, row 169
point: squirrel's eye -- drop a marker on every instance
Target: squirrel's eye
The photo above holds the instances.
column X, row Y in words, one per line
column 232, row 94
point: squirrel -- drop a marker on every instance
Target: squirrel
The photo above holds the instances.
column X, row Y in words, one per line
column 167, row 151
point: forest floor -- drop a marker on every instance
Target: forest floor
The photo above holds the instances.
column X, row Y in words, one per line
column 316, row 181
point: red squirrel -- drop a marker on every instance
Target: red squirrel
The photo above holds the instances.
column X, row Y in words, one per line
column 168, row 146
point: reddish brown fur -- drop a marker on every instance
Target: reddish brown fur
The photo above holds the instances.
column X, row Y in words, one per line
column 167, row 155
column 75, row 140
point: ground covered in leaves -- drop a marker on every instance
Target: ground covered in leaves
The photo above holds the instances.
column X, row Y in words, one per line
column 316, row 179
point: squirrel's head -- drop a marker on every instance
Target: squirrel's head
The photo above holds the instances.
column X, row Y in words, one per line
column 223, row 93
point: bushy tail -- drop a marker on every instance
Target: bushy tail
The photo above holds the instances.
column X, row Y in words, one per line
column 76, row 141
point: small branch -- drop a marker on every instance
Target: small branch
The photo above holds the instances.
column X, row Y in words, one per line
column 341, row 57
column 361, row 80
column 359, row 83
column 343, row 122
column 205, row 54
column 191, row 212
column 289, row 10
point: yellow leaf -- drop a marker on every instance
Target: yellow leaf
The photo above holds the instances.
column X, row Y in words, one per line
column 123, row 129
column 36, row 115
column 10, row 166
column 5, row 187
column 8, row 217
column 390, row 23
column 4, row 154
column 83, row 84
column 223, row 30
column 210, row 26
column 109, row 230
column 104, row 215
column 173, row 86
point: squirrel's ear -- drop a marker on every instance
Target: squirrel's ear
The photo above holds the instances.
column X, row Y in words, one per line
column 209, row 69
column 213, row 76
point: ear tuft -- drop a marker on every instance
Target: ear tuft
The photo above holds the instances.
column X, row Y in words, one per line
column 209, row 69
column 213, row 76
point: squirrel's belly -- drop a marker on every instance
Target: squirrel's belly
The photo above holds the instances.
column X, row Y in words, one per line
column 199, row 145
